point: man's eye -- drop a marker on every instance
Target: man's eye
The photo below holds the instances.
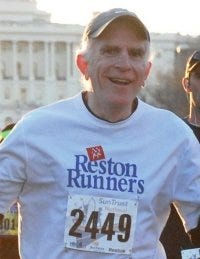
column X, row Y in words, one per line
column 137, row 53
column 110, row 51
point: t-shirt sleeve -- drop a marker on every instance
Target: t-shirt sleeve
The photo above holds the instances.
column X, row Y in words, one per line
column 187, row 187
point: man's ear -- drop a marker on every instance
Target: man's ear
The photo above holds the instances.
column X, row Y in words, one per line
column 82, row 64
column 147, row 71
column 148, row 68
column 186, row 84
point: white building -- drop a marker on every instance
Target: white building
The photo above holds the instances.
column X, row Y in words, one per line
column 164, row 49
column 36, row 59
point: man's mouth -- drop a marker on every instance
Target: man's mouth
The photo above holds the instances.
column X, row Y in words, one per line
column 120, row 81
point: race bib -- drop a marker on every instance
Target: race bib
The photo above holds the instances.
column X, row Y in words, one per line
column 191, row 253
column 9, row 224
column 100, row 224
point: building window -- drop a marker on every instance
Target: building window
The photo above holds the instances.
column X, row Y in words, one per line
column 7, row 93
column 60, row 60
column 22, row 60
column 38, row 60
column 8, row 120
column 23, row 95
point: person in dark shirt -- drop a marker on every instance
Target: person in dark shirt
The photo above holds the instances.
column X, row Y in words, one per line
column 191, row 85
column 8, row 238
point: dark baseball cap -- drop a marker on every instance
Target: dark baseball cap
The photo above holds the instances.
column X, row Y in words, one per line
column 98, row 24
column 192, row 63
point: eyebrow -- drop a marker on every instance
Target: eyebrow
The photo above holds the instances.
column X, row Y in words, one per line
column 113, row 46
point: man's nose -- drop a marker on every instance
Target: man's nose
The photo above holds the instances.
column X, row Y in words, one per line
column 124, row 61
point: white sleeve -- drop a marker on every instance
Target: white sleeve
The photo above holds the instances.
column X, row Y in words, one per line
column 187, row 187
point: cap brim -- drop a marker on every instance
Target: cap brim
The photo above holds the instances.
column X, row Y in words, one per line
column 97, row 32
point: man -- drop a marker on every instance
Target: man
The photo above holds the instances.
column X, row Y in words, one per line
column 191, row 85
column 99, row 182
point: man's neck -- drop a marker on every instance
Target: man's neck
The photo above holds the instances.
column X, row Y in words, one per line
column 194, row 117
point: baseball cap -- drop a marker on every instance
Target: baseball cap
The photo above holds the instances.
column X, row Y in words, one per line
column 192, row 62
column 98, row 24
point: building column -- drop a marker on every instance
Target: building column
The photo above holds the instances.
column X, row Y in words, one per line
column 46, row 60
column 0, row 63
column 1, row 85
column 52, row 85
column 68, row 63
column 52, row 51
column 30, row 56
column 15, row 76
column 31, row 92
column 72, row 74
column 50, row 91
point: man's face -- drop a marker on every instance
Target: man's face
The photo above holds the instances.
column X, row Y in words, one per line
column 118, row 65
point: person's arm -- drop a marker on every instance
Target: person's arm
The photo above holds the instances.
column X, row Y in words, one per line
column 194, row 235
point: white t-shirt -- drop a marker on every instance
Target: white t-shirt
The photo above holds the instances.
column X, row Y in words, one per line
column 88, row 188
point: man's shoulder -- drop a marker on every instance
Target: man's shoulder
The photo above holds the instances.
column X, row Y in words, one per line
column 56, row 108
column 194, row 128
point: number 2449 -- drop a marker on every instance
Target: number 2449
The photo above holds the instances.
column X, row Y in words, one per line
column 107, row 228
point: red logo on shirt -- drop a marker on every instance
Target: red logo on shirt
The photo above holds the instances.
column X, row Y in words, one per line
column 95, row 153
